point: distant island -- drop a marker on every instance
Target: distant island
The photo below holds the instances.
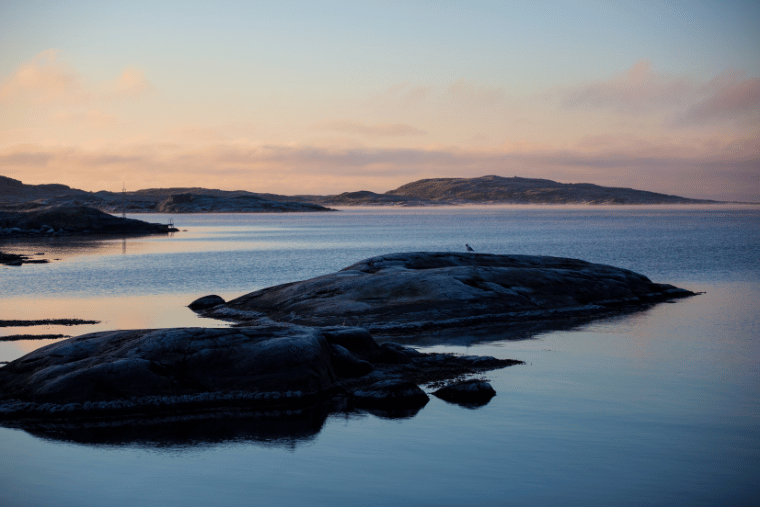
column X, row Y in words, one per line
column 17, row 196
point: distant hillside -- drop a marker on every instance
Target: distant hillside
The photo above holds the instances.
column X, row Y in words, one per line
column 15, row 195
column 497, row 189
column 367, row 198
column 202, row 203
column 14, row 189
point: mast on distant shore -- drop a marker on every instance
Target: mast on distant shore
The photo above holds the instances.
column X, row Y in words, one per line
column 123, row 200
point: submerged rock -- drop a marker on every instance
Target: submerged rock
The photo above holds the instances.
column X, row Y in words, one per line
column 18, row 260
column 391, row 393
column 409, row 293
column 470, row 393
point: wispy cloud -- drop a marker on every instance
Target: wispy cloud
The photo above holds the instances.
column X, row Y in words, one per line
column 371, row 131
column 637, row 90
column 401, row 96
column 729, row 101
column 47, row 80
column 670, row 166
column 43, row 79
column 474, row 95
column 196, row 133
column 131, row 83
column 92, row 118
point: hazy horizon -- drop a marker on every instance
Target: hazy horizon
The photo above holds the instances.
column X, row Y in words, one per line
column 328, row 97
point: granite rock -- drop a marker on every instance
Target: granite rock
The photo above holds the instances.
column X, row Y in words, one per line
column 206, row 302
column 410, row 293
column 188, row 368
column 470, row 393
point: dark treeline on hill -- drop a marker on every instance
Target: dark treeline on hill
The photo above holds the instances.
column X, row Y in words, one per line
column 16, row 195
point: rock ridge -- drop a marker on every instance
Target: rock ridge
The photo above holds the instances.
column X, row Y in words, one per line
column 409, row 293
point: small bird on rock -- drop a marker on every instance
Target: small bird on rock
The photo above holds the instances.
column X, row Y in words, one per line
column 469, row 248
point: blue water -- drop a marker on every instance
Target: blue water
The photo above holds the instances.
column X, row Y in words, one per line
column 657, row 408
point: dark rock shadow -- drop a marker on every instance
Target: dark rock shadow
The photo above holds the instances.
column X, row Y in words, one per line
column 500, row 331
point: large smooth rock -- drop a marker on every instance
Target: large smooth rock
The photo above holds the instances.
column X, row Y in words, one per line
column 121, row 365
column 412, row 292
column 187, row 368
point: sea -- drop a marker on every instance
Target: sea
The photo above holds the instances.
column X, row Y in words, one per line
column 660, row 407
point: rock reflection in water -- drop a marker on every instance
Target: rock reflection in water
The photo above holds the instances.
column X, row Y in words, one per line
column 286, row 429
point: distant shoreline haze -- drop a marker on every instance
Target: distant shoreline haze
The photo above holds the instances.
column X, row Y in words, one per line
column 426, row 192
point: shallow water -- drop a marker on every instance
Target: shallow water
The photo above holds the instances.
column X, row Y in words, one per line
column 659, row 408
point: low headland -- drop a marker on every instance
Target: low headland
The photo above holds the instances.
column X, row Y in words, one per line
column 65, row 220
column 72, row 220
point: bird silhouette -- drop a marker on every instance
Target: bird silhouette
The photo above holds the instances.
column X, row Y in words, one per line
column 469, row 248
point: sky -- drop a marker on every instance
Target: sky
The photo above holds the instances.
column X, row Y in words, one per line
column 316, row 97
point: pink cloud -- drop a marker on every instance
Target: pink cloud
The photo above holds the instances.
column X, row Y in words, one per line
column 731, row 100
column 23, row 158
column 93, row 118
column 131, row 83
column 472, row 94
column 401, row 96
column 46, row 80
column 637, row 90
column 704, row 168
column 372, row 131
column 197, row 134
column 43, row 79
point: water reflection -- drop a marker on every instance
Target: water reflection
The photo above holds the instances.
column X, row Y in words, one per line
column 60, row 248
column 202, row 428
column 506, row 331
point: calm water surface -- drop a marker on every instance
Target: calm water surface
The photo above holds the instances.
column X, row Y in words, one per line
column 657, row 408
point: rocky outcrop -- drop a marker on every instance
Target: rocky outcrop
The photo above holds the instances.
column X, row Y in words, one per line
column 206, row 302
column 468, row 393
column 409, row 293
column 169, row 370
column 68, row 220
column 18, row 260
